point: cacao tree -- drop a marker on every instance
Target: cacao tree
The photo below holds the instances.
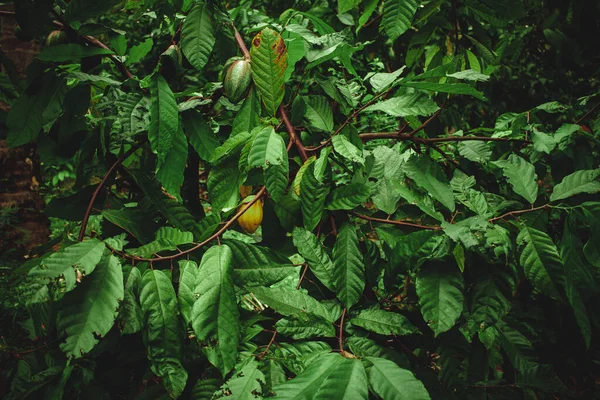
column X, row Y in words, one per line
column 389, row 199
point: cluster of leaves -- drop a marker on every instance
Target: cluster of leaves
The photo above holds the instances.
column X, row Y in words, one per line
column 400, row 257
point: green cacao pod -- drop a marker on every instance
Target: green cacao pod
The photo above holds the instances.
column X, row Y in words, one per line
column 237, row 80
column 56, row 38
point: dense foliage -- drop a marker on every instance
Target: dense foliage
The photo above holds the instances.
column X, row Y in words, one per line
column 402, row 205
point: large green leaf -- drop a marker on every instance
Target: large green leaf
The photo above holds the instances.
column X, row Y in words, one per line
column 405, row 105
column 27, row 115
column 348, row 196
column 197, row 35
column 170, row 172
column 390, row 381
column 584, row 181
column 200, row 135
column 258, row 266
column 521, row 176
column 130, row 313
column 440, row 291
column 89, row 312
column 348, row 266
column 291, row 302
column 188, row 273
column 318, row 113
column 313, row 194
column 276, row 179
column 268, row 149
column 305, row 326
column 384, row 322
column 224, row 183
column 541, row 262
column 162, row 333
column 215, row 316
column 453, row 88
column 245, row 384
column 331, row 376
column 490, row 298
column 164, row 120
column 269, row 62
column 80, row 258
column 397, row 17
column 318, row 260
column 247, row 117
column 344, row 147
column 428, row 176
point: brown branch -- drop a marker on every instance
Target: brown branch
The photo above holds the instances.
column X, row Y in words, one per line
column 214, row 236
column 588, row 113
column 292, row 132
column 333, row 226
column 528, row 210
column 240, row 42
column 264, row 353
column 393, row 222
column 88, row 211
column 341, row 337
column 302, row 277
column 426, row 141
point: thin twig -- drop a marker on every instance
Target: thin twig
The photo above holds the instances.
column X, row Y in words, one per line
column 424, row 124
column 292, row 132
column 302, row 277
column 393, row 222
column 88, row 211
column 588, row 113
column 333, row 226
column 528, row 210
column 264, row 353
column 408, row 137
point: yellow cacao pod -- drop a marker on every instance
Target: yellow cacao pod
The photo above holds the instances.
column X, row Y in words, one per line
column 252, row 218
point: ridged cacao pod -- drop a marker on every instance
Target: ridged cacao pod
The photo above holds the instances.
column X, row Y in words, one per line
column 252, row 218
column 237, row 80
column 57, row 37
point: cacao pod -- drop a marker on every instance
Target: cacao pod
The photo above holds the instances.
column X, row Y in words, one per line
column 252, row 218
column 237, row 80
column 57, row 37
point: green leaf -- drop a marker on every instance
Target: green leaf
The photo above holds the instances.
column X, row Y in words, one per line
column 27, row 115
column 417, row 247
column 164, row 120
column 200, row 135
column 390, row 381
column 130, row 313
column 310, row 249
column 78, row 10
column 406, row 105
column 521, row 176
column 348, row 197
column 139, row 51
column 347, row 5
column 71, row 52
column 276, row 179
column 452, row 88
column 387, row 194
column 382, row 80
column 384, row 322
column 541, row 262
column 313, row 194
column 348, row 266
column 490, row 298
column 318, row 113
column 305, row 326
column 543, row 142
column 170, row 172
column 428, row 176
column 345, row 148
column 162, row 333
column 224, row 181
column 268, row 148
column 397, row 17
column 475, row 151
column 291, row 302
column 440, row 291
column 583, row 181
column 132, row 220
column 330, row 376
column 89, row 312
column 245, row 384
column 370, row 6
column 257, row 265
column 188, row 273
column 215, row 316
column 66, row 263
column 197, row 35
column 269, row 62
column 248, row 116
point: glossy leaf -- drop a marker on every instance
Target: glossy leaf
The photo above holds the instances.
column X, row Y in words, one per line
column 198, row 36
column 348, row 266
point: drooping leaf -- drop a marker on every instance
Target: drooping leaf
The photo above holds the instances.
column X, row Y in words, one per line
column 130, row 313
column 318, row 260
column 390, row 381
column 428, row 176
column 215, row 316
column 318, row 113
column 490, row 298
column 384, row 322
column 397, row 17
column 268, row 149
column 248, row 116
column 164, row 120
column 162, row 330
column 269, row 62
column 276, row 179
column 188, row 273
column 583, row 181
column 170, row 172
column 440, row 291
column 475, row 151
column 200, row 135
column 313, row 194
column 89, row 312
column 348, row 266
column 347, row 149
column 521, row 176
column 197, row 35
column 224, row 182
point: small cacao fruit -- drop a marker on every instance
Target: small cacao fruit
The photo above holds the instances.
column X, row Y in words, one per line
column 57, row 37
column 252, row 218
column 237, row 80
